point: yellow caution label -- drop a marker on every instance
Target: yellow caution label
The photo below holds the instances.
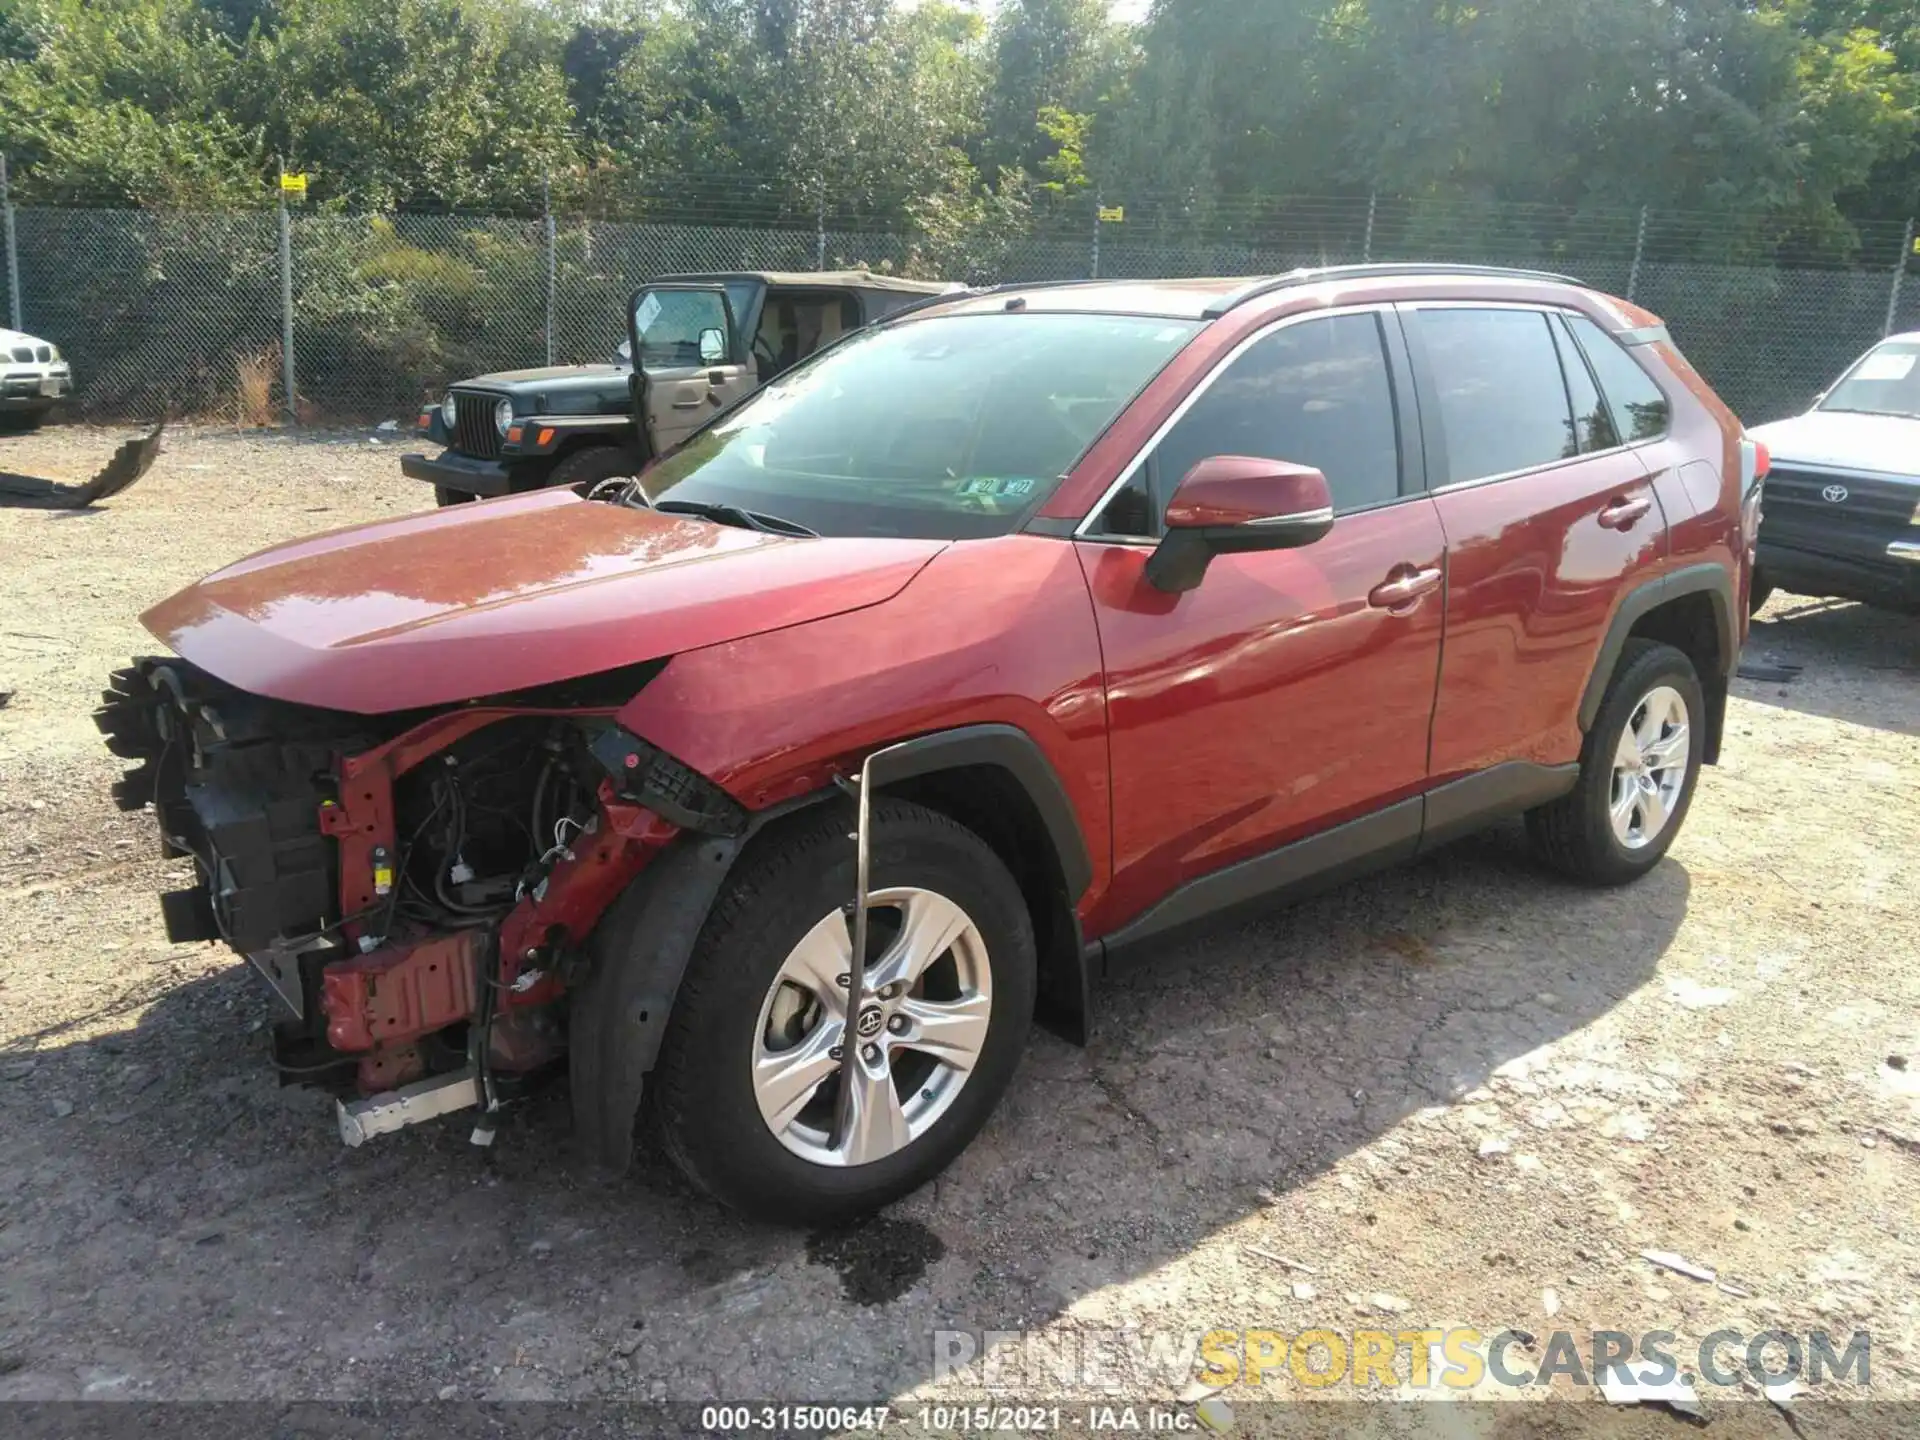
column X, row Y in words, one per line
column 294, row 184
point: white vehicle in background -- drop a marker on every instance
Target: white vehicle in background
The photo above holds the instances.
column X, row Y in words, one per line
column 1841, row 507
column 33, row 379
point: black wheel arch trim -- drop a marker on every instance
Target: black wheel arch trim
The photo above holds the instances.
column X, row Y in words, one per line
column 619, row 1010
column 1713, row 580
column 1009, row 748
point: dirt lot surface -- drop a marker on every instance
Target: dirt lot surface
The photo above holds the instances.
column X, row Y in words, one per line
column 1460, row 1094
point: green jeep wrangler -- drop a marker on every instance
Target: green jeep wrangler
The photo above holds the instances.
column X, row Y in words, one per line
column 704, row 341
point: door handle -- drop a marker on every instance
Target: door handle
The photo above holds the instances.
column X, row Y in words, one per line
column 1621, row 512
column 693, row 404
column 1407, row 585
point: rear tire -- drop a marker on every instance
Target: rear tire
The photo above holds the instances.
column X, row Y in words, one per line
column 1759, row 589
column 21, row 421
column 592, row 465
column 759, row 988
column 1637, row 772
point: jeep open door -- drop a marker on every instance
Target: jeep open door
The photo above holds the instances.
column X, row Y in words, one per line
column 689, row 360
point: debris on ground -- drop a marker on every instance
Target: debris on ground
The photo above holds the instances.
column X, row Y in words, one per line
column 1622, row 1385
column 1281, row 1260
column 127, row 464
column 1679, row 1264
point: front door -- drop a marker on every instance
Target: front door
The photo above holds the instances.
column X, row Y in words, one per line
column 689, row 362
column 1291, row 690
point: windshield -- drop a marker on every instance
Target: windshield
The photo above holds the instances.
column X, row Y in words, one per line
column 1885, row 382
column 946, row 428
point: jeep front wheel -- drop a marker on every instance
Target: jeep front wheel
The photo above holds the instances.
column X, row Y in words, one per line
column 590, row 466
column 747, row 1097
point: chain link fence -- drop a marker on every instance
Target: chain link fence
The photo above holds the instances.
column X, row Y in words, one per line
column 184, row 313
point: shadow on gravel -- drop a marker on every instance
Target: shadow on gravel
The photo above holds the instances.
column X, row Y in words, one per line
column 175, row 1226
column 1844, row 653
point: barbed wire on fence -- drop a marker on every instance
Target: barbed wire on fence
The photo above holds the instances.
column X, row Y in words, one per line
column 184, row 312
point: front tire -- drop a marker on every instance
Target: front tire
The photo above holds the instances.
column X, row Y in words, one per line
column 745, row 1095
column 590, row 466
column 1638, row 768
column 444, row 497
column 1759, row 589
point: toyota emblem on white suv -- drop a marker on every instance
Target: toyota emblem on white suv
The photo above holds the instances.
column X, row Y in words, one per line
column 1835, row 493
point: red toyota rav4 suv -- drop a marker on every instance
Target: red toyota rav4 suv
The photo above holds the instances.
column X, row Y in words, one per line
column 779, row 789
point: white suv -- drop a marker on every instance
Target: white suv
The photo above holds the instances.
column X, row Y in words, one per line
column 33, row 377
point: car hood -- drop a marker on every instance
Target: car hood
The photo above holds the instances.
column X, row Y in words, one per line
column 484, row 599
column 546, row 377
column 1886, row 443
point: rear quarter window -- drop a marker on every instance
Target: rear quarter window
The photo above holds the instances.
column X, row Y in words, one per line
column 1640, row 409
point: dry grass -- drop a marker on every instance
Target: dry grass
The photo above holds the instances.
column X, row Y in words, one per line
column 253, row 388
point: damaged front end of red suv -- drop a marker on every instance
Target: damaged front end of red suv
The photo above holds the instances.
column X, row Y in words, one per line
column 416, row 890
column 396, row 759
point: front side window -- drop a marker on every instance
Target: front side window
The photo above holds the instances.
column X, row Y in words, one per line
column 1316, row 393
column 678, row 329
column 949, row 427
column 1496, row 378
column 1886, row 381
column 1640, row 411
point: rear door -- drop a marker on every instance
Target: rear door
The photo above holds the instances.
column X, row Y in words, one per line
column 1549, row 516
column 689, row 359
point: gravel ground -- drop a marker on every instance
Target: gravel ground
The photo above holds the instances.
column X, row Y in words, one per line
column 1463, row 1093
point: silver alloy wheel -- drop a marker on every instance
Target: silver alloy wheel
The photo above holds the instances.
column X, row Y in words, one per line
column 1649, row 767
column 917, row 1030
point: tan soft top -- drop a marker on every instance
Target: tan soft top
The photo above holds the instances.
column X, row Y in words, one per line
column 817, row 280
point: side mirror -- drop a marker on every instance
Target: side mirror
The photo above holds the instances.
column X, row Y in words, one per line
column 1230, row 504
column 713, row 346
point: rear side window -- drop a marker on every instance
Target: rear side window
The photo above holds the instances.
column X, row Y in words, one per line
column 1317, row 393
column 1592, row 420
column 1497, row 380
column 1640, row 411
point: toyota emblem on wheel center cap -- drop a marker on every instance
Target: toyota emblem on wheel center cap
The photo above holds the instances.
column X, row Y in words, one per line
column 1835, row 493
column 869, row 1023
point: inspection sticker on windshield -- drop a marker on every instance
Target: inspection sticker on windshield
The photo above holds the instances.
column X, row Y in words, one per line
column 994, row 486
column 1891, row 366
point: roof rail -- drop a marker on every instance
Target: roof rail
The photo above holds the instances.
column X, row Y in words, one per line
column 1267, row 285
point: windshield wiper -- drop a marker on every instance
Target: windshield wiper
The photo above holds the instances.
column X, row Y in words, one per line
column 735, row 515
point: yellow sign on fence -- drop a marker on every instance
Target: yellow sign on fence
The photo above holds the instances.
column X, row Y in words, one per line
column 1113, row 213
column 294, row 184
